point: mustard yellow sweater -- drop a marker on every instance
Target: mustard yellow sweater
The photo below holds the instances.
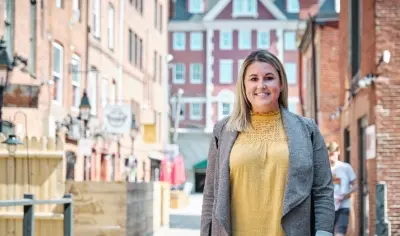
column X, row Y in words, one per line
column 258, row 169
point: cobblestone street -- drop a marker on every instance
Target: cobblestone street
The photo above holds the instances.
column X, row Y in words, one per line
column 186, row 221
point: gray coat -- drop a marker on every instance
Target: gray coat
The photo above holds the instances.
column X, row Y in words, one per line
column 308, row 206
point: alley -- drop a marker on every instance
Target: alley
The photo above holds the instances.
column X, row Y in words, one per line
column 185, row 221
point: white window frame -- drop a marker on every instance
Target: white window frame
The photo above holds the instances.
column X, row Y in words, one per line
column 245, row 39
column 196, row 41
column 60, row 74
column 111, row 23
column 288, row 66
column 263, row 35
column 200, row 111
column 174, row 73
column 229, row 44
column 92, row 90
column 293, row 6
column 196, row 6
column 240, row 8
column 96, row 18
column 289, row 42
column 179, row 41
column 225, row 74
column 193, row 80
column 76, row 8
column 76, row 63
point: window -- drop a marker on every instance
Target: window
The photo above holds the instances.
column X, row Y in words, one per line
column 58, row 62
column 32, row 51
column 59, row 3
column 111, row 32
column 179, row 41
column 140, row 53
column 225, row 40
column 196, row 111
column 245, row 39
column 156, row 14
column 161, row 18
column 292, row 6
column 244, row 7
column 225, row 71
column 263, row 40
column 291, row 73
column 226, row 109
column 196, row 41
column 76, row 6
column 290, row 41
column 104, row 92
column 130, row 46
column 196, row 73
column 92, row 89
column 76, row 80
column 160, row 61
column 179, row 73
column 136, row 49
column 9, row 23
column 347, row 146
column 196, row 6
column 96, row 18
column 337, row 6
column 155, row 65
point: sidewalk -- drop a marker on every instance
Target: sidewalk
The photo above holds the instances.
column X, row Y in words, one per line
column 186, row 221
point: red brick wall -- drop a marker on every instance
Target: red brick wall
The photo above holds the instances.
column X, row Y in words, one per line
column 328, row 47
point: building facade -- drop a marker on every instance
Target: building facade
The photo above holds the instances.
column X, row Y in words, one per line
column 369, row 124
column 208, row 41
column 318, row 69
column 94, row 46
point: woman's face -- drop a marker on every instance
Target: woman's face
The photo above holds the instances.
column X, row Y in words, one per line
column 263, row 87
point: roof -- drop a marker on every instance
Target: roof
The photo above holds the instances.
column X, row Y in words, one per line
column 201, row 165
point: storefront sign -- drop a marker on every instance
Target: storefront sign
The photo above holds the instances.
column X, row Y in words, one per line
column 370, row 142
column 118, row 118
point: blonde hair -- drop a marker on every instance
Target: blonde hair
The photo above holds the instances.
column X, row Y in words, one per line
column 332, row 146
column 240, row 117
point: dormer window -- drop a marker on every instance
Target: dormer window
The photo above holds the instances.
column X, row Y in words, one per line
column 244, row 8
column 196, row 6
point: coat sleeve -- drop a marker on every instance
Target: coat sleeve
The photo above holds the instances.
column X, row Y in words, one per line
column 322, row 188
column 209, row 188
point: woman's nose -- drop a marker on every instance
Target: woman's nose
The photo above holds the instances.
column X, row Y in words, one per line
column 262, row 83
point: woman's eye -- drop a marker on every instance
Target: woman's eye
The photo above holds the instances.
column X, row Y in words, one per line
column 253, row 78
column 270, row 78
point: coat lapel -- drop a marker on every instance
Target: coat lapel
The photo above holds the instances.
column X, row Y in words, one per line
column 299, row 179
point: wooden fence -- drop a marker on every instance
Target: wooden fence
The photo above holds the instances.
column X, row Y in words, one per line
column 35, row 168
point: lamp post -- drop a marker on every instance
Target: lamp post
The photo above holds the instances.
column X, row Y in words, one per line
column 5, row 67
column 178, row 114
column 84, row 111
column 12, row 141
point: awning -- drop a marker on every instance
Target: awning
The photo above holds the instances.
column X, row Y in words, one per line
column 201, row 165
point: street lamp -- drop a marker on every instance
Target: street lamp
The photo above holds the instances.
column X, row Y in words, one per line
column 84, row 110
column 12, row 141
column 5, row 67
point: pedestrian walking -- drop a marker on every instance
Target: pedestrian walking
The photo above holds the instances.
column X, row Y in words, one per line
column 268, row 171
column 344, row 182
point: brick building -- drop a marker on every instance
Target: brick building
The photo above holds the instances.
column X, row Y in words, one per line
column 209, row 40
column 319, row 74
column 369, row 97
column 94, row 45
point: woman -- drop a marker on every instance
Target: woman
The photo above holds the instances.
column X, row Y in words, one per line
column 268, row 170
